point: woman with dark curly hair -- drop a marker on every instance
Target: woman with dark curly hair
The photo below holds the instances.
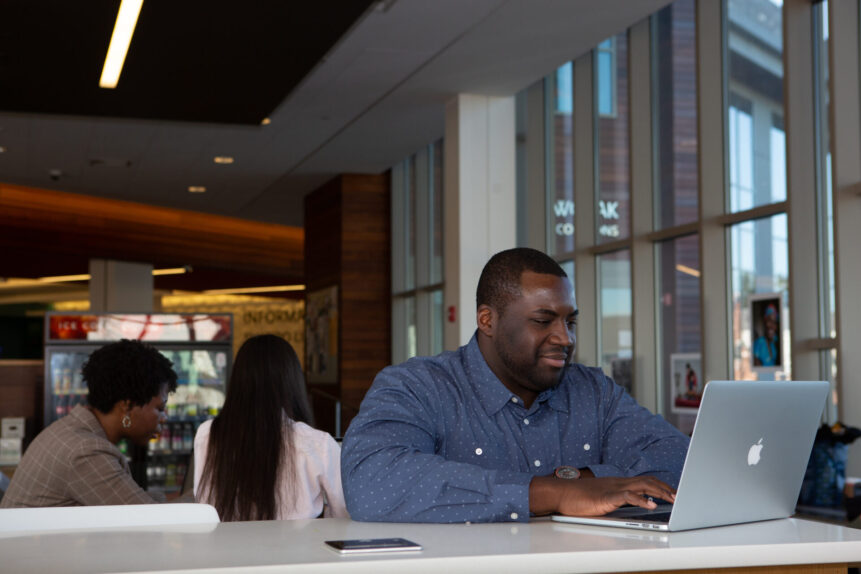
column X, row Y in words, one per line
column 75, row 461
column 260, row 459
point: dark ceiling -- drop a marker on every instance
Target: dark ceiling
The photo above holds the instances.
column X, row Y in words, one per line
column 189, row 60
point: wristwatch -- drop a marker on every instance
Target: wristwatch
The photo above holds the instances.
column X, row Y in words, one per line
column 566, row 472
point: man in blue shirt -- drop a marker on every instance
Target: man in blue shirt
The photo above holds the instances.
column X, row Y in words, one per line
column 506, row 426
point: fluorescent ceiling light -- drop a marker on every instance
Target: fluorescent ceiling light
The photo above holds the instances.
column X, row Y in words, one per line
column 127, row 18
column 87, row 277
column 271, row 289
column 687, row 270
column 172, row 271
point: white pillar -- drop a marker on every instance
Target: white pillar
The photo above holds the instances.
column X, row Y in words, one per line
column 120, row 286
column 479, row 197
column 845, row 150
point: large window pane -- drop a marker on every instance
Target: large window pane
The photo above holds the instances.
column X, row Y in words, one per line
column 614, row 312
column 612, row 140
column 678, row 263
column 437, row 325
column 560, row 216
column 675, row 101
column 760, row 311
column 825, row 200
column 410, row 277
column 755, row 132
column 436, row 215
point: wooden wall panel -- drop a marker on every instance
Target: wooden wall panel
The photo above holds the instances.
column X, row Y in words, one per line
column 347, row 243
column 22, row 393
column 65, row 223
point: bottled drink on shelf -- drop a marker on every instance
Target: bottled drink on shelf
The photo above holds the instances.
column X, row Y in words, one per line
column 187, row 437
column 164, row 439
column 176, row 444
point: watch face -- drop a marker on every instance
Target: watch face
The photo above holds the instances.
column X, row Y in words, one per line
column 567, row 472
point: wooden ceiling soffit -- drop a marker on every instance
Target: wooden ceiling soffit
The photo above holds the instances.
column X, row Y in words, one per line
column 69, row 223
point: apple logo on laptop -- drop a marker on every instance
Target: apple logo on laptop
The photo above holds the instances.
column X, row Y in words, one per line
column 753, row 453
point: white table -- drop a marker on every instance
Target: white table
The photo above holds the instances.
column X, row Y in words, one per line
column 540, row 546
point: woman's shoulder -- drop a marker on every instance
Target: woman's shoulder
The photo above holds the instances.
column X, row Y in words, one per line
column 203, row 430
column 309, row 436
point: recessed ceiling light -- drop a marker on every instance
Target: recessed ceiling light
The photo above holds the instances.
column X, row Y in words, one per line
column 224, row 159
column 265, row 122
column 127, row 18
column 196, row 188
column 2, row 149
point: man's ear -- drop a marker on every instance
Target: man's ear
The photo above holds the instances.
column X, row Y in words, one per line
column 486, row 319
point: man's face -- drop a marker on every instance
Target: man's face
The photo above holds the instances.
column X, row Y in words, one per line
column 148, row 419
column 534, row 337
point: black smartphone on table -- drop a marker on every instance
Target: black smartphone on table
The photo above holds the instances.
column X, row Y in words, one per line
column 363, row 545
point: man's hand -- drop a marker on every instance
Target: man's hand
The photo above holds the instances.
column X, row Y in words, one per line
column 595, row 496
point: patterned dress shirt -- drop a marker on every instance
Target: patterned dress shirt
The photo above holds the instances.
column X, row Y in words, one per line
column 72, row 463
column 441, row 439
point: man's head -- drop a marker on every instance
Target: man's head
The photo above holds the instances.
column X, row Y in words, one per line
column 499, row 282
column 526, row 318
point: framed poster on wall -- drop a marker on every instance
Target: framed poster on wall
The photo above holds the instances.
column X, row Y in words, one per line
column 765, row 320
column 686, row 380
column 321, row 335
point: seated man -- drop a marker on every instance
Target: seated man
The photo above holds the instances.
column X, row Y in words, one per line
column 502, row 428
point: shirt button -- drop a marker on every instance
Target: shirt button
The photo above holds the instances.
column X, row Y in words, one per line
column 526, row 421
column 478, row 451
column 586, row 446
column 513, row 399
column 537, row 463
column 514, row 516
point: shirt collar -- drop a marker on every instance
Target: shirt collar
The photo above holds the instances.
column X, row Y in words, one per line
column 494, row 395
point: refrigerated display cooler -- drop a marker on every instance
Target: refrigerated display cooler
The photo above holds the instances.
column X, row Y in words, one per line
column 198, row 345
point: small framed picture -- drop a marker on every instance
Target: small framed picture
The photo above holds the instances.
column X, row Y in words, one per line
column 765, row 319
column 686, row 378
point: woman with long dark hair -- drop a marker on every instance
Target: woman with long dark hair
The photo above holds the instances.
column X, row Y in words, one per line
column 260, row 459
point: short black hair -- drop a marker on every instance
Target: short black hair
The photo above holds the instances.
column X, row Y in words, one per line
column 499, row 283
column 126, row 370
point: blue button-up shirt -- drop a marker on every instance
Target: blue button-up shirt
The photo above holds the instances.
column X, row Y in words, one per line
column 441, row 439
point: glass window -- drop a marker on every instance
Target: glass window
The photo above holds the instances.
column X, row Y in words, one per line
column 675, row 112
column 606, row 56
column 411, row 204
column 614, row 308
column 678, row 265
column 825, row 200
column 436, row 214
column 437, row 325
column 613, row 139
column 760, row 297
column 417, row 254
column 560, row 128
column 756, row 138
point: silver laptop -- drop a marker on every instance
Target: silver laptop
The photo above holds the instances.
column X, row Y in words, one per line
column 748, row 453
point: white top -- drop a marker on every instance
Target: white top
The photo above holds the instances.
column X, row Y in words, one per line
column 540, row 546
column 317, row 463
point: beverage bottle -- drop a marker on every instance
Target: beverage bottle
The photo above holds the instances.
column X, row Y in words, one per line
column 187, row 437
column 164, row 439
column 170, row 475
column 176, row 444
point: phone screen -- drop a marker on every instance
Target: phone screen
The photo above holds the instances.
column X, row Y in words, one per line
column 373, row 545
